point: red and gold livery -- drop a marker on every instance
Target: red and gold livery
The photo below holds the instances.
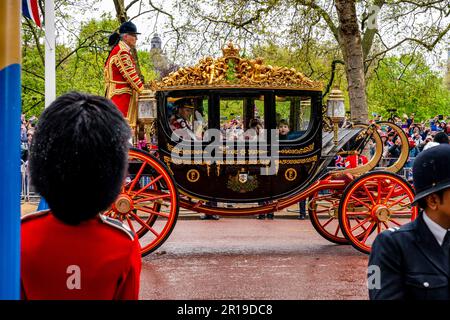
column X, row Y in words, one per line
column 122, row 82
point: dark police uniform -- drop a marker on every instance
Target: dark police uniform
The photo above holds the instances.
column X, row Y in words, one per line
column 412, row 264
column 414, row 261
column 98, row 259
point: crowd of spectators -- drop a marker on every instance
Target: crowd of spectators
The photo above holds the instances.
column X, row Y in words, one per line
column 421, row 136
column 234, row 129
column 27, row 128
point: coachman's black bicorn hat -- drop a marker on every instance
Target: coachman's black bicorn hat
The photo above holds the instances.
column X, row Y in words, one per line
column 128, row 27
column 183, row 102
column 431, row 171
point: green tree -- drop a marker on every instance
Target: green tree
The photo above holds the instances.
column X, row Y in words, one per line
column 79, row 66
column 407, row 84
column 364, row 31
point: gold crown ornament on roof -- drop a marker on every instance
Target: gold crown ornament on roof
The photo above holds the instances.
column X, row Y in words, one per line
column 233, row 71
column 230, row 51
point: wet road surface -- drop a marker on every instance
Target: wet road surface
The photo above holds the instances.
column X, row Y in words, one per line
column 252, row 259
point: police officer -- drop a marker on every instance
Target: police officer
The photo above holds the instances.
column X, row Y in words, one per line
column 78, row 164
column 412, row 262
column 122, row 82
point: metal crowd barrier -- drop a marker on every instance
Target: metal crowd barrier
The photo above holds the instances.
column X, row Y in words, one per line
column 28, row 193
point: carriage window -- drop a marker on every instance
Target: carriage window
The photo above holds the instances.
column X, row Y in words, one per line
column 241, row 118
column 188, row 116
column 293, row 114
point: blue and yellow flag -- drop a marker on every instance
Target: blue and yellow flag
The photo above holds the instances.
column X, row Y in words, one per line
column 10, row 90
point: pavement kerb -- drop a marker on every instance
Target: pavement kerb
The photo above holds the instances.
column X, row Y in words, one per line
column 28, row 207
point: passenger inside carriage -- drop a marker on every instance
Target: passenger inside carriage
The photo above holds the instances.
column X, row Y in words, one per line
column 283, row 130
column 186, row 117
column 293, row 114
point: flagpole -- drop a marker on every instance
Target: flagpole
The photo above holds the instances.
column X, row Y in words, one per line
column 10, row 109
column 50, row 65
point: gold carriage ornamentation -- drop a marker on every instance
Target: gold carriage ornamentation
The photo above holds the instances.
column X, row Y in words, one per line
column 244, row 181
column 232, row 70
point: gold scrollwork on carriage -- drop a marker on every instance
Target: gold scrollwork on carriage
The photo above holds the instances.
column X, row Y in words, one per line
column 232, row 70
column 297, row 161
column 306, row 149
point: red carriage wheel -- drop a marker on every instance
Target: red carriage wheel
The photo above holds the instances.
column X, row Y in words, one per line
column 148, row 202
column 323, row 213
column 373, row 202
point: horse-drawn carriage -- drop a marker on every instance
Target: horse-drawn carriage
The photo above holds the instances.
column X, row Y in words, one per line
column 220, row 158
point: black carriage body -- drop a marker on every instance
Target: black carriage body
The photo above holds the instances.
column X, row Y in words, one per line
column 296, row 161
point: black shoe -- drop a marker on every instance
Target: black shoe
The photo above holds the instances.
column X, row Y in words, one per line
column 261, row 216
column 270, row 216
column 209, row 217
column 302, row 217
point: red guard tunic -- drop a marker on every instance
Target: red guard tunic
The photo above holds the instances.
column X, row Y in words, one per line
column 97, row 259
column 353, row 161
column 122, row 82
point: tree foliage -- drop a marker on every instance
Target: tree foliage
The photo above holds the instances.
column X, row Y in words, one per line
column 407, row 83
column 79, row 61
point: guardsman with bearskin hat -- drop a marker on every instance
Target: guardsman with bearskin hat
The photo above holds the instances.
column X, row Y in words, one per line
column 122, row 82
column 78, row 164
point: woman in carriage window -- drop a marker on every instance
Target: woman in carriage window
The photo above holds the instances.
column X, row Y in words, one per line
column 254, row 131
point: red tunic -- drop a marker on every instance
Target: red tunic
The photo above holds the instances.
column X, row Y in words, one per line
column 97, row 259
column 353, row 161
column 121, row 78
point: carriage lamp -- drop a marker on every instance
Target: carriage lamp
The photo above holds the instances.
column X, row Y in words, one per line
column 147, row 113
column 336, row 110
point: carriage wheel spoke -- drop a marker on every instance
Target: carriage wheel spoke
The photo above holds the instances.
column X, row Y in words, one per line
column 357, row 213
column 327, row 209
column 153, row 198
column 108, row 213
column 379, row 191
column 337, row 230
column 360, row 224
column 397, row 201
column 130, row 223
column 369, row 194
column 136, row 178
column 328, row 221
column 389, row 193
column 395, row 222
column 148, row 185
column 148, row 210
column 368, row 232
column 403, row 212
column 144, row 224
column 363, row 203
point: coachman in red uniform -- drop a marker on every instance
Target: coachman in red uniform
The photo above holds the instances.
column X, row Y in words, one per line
column 122, row 82
column 78, row 164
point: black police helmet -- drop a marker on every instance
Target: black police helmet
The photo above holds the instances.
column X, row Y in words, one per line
column 128, row 27
column 431, row 171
